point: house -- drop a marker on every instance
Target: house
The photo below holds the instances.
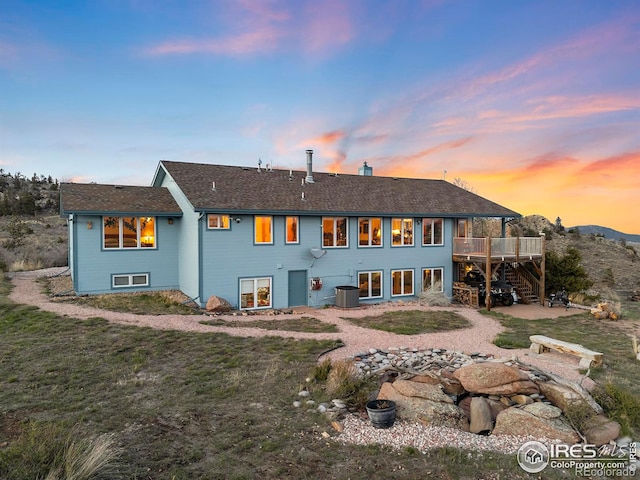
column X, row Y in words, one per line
column 272, row 238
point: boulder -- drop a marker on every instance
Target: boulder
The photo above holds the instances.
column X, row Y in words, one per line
column 560, row 395
column 495, row 378
column 218, row 305
column 496, row 407
column 543, row 410
column 480, row 415
column 522, row 399
column 517, row 421
column 451, row 385
column 602, row 430
column 427, row 391
column 428, row 412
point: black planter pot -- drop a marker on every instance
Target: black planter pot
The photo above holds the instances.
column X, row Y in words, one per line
column 382, row 413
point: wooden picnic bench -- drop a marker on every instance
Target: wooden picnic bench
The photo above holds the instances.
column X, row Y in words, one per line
column 588, row 358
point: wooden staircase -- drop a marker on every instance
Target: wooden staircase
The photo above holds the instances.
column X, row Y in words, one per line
column 526, row 284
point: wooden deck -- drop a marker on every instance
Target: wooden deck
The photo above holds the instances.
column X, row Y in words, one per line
column 512, row 249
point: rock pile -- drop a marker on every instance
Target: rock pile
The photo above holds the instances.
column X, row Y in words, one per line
column 480, row 394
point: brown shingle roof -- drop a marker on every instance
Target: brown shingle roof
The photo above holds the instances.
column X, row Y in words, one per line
column 116, row 199
column 242, row 189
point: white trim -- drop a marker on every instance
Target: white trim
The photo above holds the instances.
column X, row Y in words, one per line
column 334, row 234
column 254, row 292
column 433, row 281
column 369, row 283
column 130, row 280
column 413, row 282
column 220, row 222
column 403, row 232
column 431, row 220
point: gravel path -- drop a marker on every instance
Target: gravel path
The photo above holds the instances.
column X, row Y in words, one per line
column 478, row 338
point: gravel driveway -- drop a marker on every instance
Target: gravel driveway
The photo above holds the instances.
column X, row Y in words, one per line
column 477, row 338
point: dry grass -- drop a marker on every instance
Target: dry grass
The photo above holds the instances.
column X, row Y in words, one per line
column 84, row 459
column 46, row 247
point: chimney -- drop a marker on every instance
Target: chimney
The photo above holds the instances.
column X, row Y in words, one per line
column 309, row 178
column 365, row 170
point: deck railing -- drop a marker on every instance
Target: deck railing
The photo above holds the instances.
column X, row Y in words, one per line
column 500, row 247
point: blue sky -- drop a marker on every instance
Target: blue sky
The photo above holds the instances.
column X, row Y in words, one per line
column 535, row 105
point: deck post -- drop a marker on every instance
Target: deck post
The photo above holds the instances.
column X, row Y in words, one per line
column 543, row 262
column 487, row 275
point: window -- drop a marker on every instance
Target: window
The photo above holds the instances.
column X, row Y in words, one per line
column 255, row 293
column 370, row 284
column 128, row 232
column 402, row 281
column 432, row 278
column 292, row 230
column 370, row 232
column 130, row 280
column 401, row 232
column 432, row 231
column 334, row 232
column 263, row 229
column 218, row 222
column 462, row 227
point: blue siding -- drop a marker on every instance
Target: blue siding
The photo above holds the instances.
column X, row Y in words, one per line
column 228, row 255
column 187, row 253
column 98, row 265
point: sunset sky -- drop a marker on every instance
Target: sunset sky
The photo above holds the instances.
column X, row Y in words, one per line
column 533, row 104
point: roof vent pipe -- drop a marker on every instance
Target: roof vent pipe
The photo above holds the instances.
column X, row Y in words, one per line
column 309, row 178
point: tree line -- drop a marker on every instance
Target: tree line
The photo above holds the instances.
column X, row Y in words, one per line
column 21, row 195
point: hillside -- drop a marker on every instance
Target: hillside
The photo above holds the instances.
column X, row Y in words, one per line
column 610, row 263
column 609, row 233
column 20, row 195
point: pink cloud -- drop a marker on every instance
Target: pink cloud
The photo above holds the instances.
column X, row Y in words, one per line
column 617, row 172
column 328, row 25
column 257, row 41
column 259, row 27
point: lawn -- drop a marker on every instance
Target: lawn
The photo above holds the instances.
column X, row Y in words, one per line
column 413, row 322
column 298, row 324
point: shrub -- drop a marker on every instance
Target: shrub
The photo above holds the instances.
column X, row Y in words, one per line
column 435, row 296
column 566, row 272
column 344, row 382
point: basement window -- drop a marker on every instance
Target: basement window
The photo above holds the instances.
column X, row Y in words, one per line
column 255, row 293
column 402, row 282
column 432, row 277
column 130, row 280
column 370, row 284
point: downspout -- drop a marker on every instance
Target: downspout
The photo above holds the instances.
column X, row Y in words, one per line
column 200, row 262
